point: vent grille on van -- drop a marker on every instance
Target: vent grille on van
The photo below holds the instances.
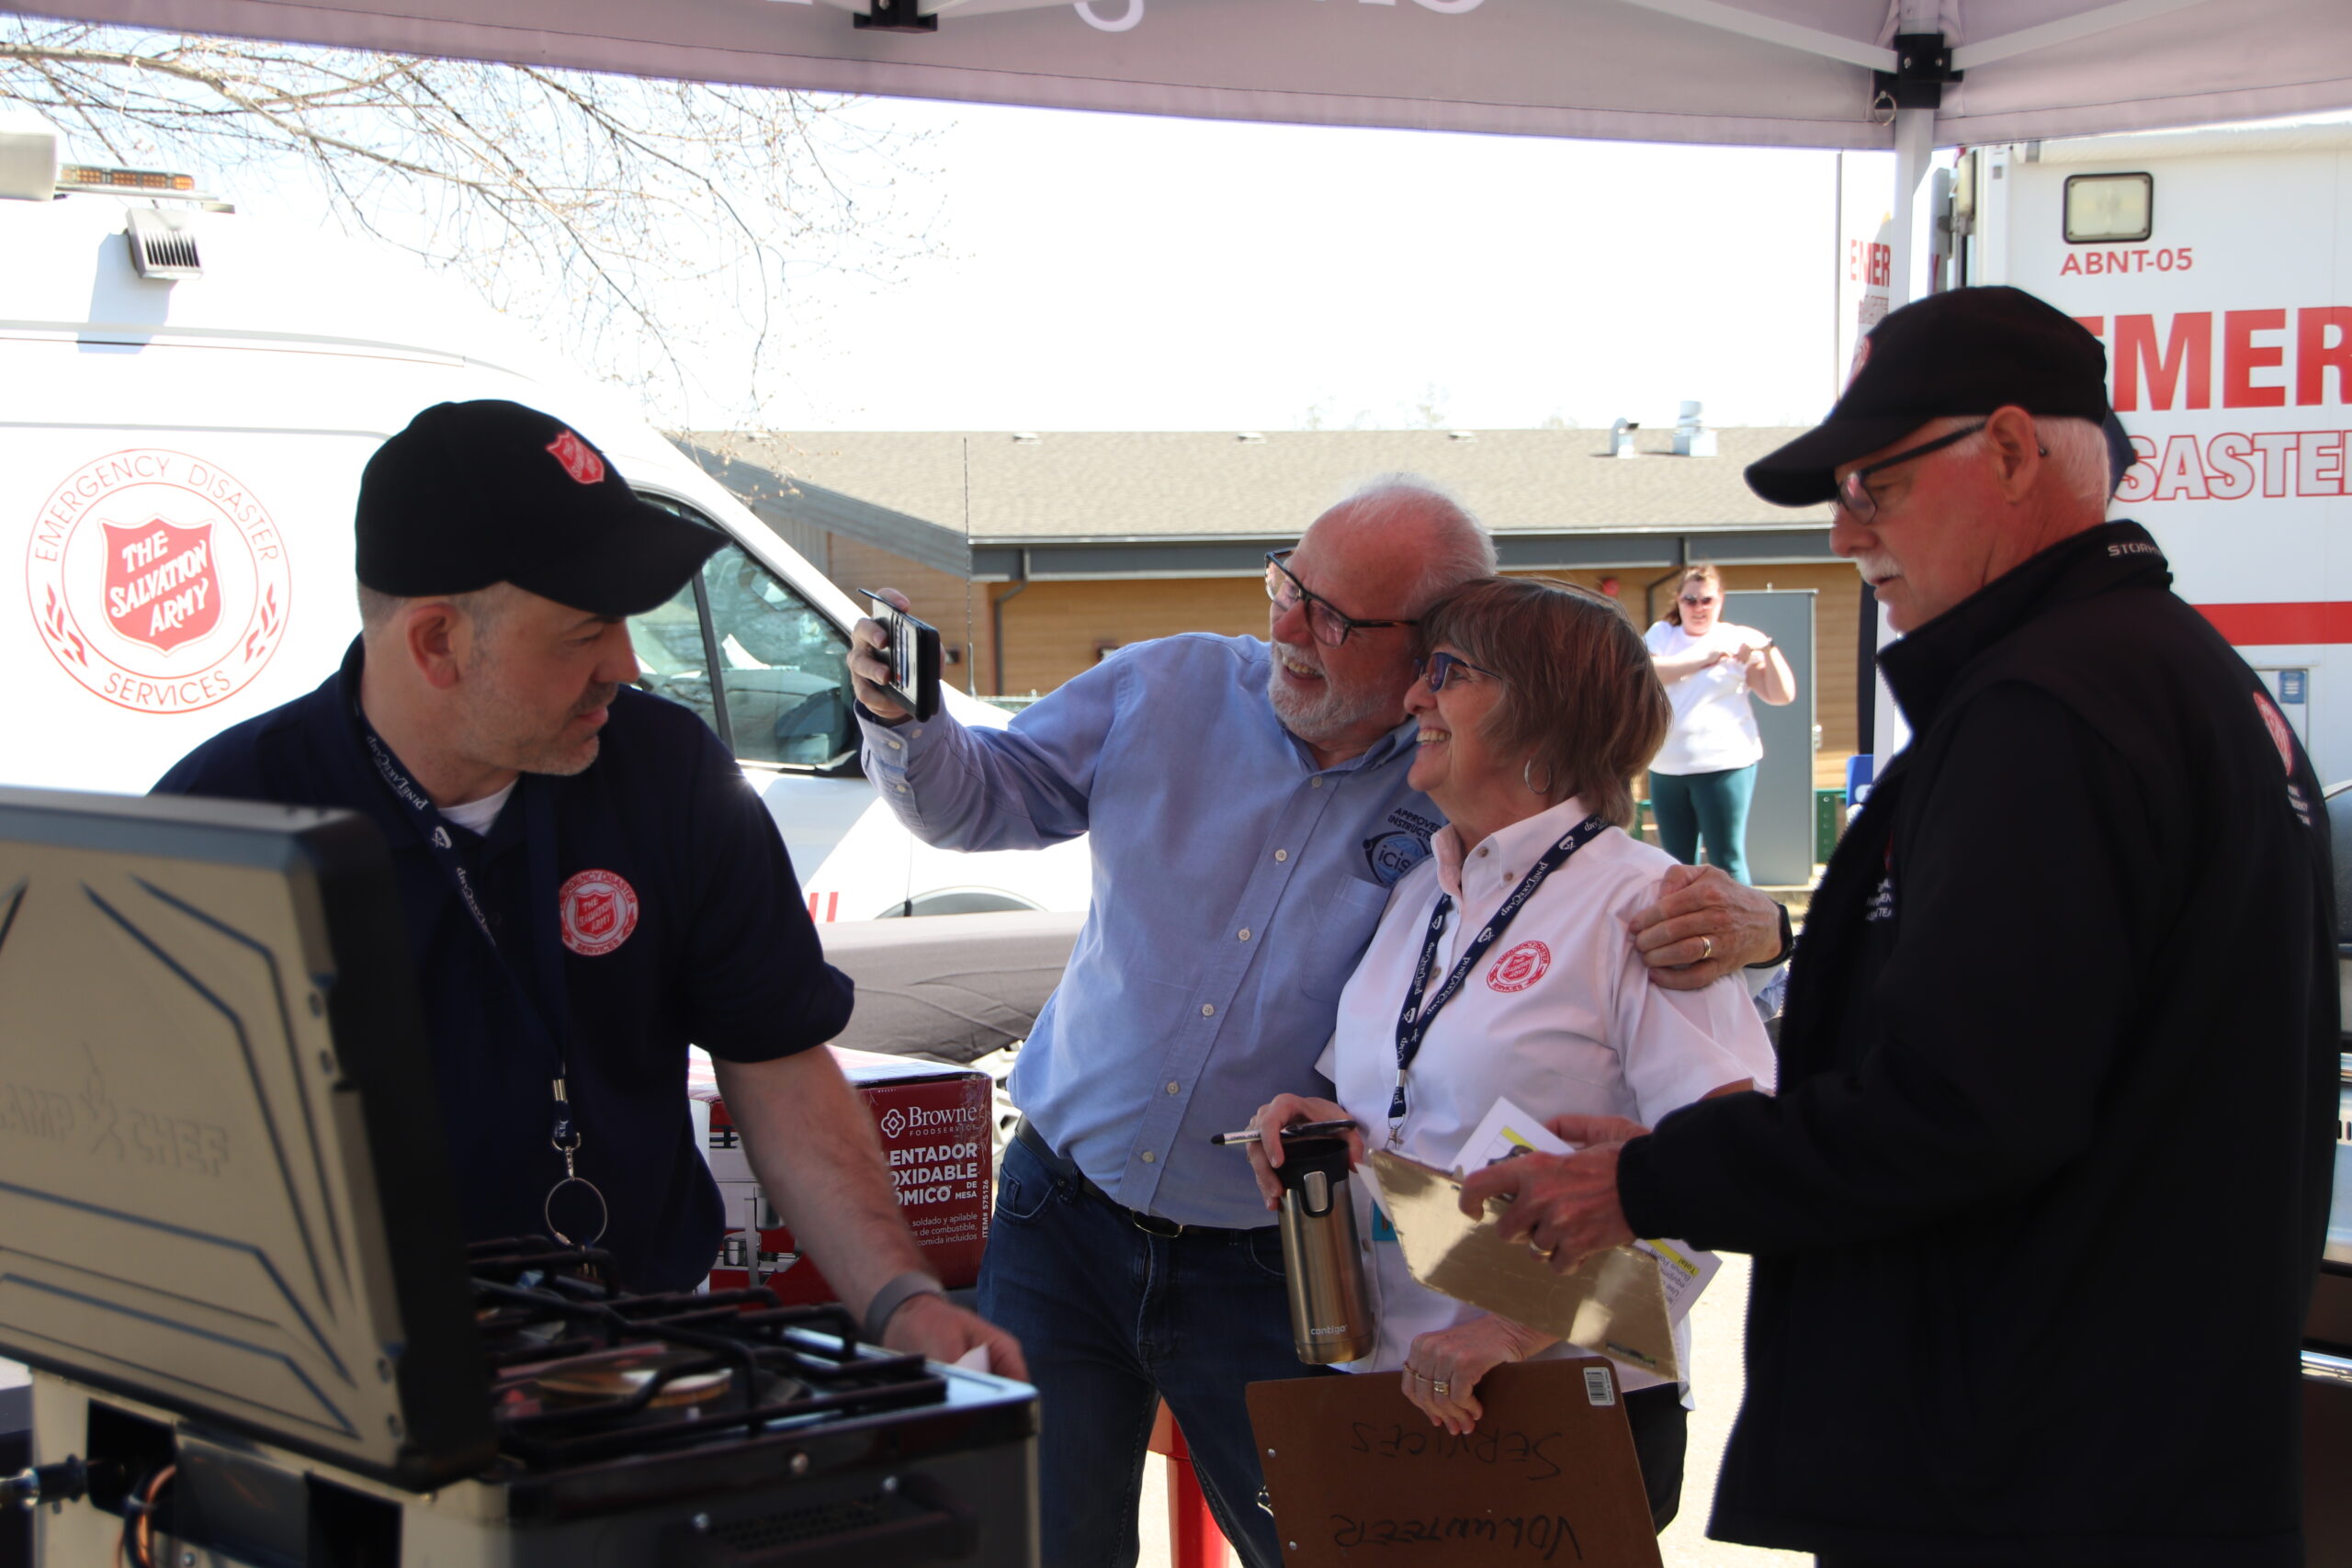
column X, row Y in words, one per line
column 163, row 245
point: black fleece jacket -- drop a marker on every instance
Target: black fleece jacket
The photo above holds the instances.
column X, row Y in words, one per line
column 2037, row 1208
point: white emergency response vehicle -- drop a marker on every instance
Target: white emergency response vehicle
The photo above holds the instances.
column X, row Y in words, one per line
column 2216, row 265
column 188, row 395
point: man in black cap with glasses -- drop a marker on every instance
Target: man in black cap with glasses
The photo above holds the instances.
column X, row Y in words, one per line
column 2038, row 1204
column 588, row 883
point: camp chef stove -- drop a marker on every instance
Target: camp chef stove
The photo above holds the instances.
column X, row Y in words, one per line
column 673, row 1432
column 256, row 1340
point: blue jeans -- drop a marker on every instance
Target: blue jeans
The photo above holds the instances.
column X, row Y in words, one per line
column 1689, row 807
column 1113, row 1319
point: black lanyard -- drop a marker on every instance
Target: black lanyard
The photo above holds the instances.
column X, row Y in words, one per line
column 548, row 1015
column 1413, row 1024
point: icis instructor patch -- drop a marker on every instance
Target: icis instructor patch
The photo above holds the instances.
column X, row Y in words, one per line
column 599, row 910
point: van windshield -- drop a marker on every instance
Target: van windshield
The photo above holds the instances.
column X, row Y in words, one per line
column 782, row 695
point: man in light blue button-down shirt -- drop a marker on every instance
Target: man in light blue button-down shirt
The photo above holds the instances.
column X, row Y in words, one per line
column 1248, row 813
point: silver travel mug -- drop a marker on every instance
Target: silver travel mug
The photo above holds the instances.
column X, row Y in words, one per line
column 1331, row 1315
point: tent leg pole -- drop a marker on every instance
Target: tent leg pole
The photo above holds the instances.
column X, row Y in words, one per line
column 1915, row 148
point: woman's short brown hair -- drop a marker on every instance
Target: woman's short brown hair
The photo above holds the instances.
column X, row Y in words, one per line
column 1702, row 571
column 1581, row 700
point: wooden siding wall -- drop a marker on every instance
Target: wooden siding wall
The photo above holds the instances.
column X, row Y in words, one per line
column 959, row 609
column 1053, row 631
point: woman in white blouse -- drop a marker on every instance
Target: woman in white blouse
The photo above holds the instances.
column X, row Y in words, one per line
column 1705, row 777
column 1537, row 707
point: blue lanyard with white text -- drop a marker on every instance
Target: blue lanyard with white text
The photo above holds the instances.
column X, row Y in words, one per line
column 1413, row 1024
column 550, row 1012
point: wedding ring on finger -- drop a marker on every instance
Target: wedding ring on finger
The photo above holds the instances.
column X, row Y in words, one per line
column 1545, row 1253
column 1442, row 1387
column 1706, row 948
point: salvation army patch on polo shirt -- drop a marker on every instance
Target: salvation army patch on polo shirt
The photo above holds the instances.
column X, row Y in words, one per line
column 599, row 910
column 1521, row 967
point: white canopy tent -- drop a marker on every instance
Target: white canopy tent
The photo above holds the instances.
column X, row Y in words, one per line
column 1789, row 73
column 1906, row 74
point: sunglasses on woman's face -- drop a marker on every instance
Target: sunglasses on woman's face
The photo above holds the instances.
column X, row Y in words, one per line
column 1440, row 668
column 1686, row 599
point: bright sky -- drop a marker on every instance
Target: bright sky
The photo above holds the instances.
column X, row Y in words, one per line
column 1108, row 272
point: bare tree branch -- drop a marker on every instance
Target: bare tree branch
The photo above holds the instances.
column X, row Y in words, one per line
column 637, row 223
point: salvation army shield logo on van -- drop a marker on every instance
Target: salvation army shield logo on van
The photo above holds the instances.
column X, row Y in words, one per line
column 161, row 588
column 157, row 581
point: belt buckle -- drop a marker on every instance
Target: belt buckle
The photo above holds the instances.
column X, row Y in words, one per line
column 1151, row 1225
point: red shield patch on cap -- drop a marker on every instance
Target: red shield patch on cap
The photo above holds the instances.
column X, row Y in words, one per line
column 599, row 910
column 579, row 459
column 1521, row 967
column 160, row 583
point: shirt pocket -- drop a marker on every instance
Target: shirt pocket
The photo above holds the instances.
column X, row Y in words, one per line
column 1341, row 929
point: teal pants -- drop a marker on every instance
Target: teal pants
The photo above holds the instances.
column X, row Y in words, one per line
column 1692, row 808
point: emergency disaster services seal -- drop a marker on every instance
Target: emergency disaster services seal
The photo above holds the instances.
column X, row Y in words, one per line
column 157, row 581
column 599, row 910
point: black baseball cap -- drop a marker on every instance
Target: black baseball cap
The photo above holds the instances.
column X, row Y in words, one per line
column 1966, row 351
column 475, row 494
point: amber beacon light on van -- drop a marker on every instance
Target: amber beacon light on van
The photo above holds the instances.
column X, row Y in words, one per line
column 89, row 177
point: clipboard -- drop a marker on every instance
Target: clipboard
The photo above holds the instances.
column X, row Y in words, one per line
column 1612, row 1303
column 1357, row 1475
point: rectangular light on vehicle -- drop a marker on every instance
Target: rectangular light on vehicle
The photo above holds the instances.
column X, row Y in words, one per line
column 2103, row 208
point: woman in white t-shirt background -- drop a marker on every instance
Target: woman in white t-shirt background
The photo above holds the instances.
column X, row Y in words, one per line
column 1705, row 777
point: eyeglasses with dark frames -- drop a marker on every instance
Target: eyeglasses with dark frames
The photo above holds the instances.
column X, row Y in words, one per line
column 1327, row 622
column 1706, row 599
column 1854, row 491
column 1440, row 668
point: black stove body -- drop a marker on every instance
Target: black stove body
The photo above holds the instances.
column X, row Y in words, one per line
column 256, row 1339
column 691, row 1431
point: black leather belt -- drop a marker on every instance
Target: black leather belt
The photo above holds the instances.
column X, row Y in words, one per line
column 1028, row 1137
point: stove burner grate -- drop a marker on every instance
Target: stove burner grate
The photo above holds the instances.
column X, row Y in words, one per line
column 542, row 1308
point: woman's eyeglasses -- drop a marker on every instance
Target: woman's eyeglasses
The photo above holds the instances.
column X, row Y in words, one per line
column 1329, row 623
column 1694, row 604
column 1440, row 668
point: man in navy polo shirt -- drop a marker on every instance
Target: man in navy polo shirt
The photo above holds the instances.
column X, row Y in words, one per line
column 588, row 883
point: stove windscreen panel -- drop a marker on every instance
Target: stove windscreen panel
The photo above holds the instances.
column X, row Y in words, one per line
column 222, row 1183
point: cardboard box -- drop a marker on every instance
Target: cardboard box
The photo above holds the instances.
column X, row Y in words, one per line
column 936, row 1124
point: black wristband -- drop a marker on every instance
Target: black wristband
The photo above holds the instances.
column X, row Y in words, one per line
column 896, row 1292
column 1788, row 944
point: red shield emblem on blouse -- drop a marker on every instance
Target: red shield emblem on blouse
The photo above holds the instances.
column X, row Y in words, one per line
column 1521, row 967
column 599, row 910
column 161, row 586
column 579, row 459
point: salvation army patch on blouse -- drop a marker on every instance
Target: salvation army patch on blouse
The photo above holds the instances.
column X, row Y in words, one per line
column 1521, row 967
column 599, row 910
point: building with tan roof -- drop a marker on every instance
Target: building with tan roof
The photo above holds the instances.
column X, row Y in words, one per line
column 1036, row 553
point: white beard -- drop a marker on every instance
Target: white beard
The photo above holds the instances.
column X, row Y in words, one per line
column 1325, row 716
